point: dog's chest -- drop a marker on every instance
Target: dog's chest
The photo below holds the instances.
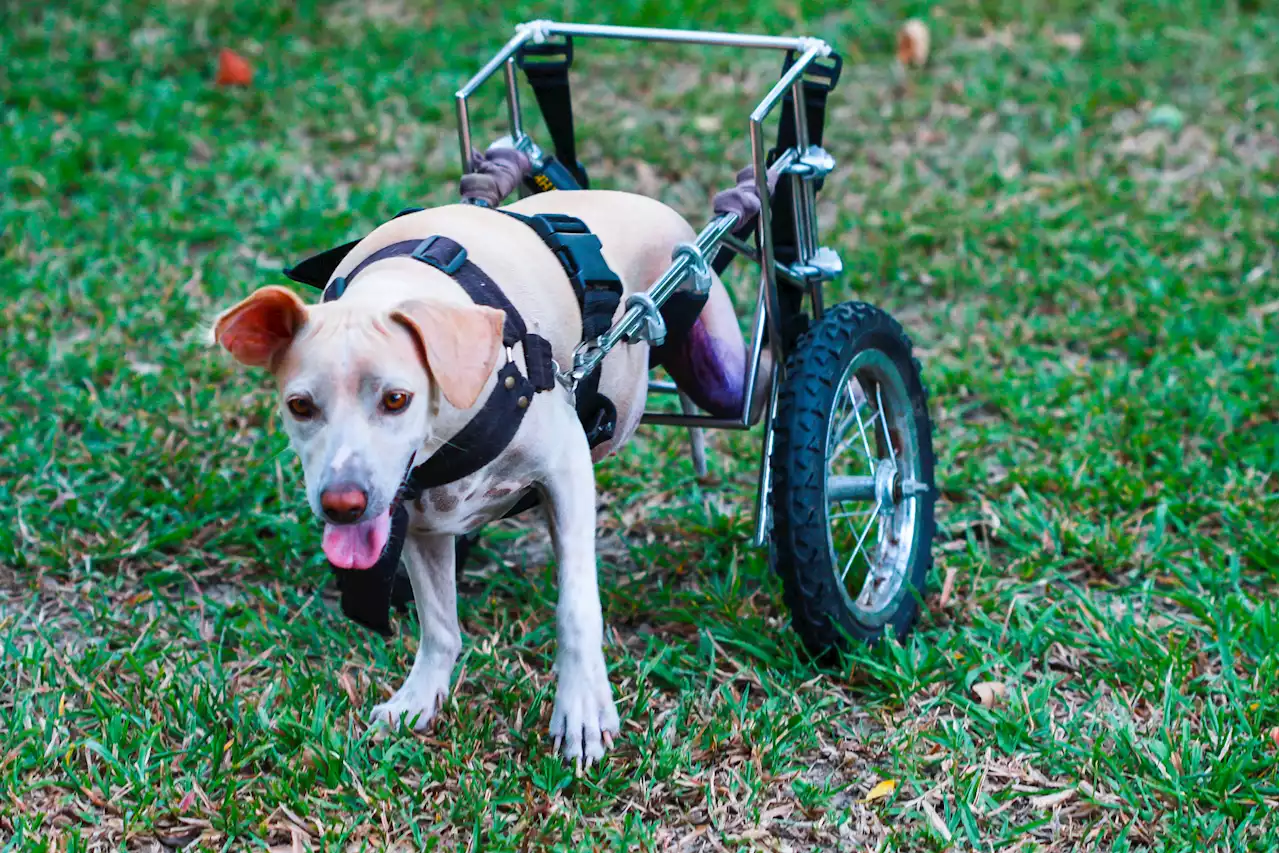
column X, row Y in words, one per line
column 463, row 506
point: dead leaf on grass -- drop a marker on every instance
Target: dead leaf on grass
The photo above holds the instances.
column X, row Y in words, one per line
column 936, row 821
column 948, row 586
column 1071, row 41
column 882, row 789
column 1049, row 801
column 233, row 69
column 913, row 43
column 989, row 693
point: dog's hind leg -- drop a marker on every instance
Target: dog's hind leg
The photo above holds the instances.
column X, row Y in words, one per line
column 710, row 362
column 430, row 561
column 584, row 719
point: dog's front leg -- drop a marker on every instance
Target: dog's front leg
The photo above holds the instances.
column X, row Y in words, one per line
column 431, row 564
column 584, row 719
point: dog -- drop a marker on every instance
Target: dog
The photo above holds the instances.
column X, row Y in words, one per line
column 381, row 379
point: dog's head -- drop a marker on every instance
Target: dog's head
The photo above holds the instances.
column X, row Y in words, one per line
column 361, row 390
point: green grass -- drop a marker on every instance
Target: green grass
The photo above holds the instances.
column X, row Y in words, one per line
column 1091, row 284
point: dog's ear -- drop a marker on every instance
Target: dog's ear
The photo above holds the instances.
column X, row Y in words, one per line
column 459, row 345
column 261, row 327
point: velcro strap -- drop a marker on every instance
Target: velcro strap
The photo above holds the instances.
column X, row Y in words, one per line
column 538, row 362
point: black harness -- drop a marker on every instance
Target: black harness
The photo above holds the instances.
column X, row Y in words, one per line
column 366, row 594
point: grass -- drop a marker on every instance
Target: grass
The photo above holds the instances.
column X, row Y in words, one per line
column 1073, row 211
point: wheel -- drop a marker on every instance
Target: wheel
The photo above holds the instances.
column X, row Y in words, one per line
column 853, row 490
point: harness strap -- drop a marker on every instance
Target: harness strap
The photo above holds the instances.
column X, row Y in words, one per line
column 548, row 75
column 599, row 290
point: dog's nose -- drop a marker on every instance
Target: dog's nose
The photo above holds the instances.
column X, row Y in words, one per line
column 343, row 503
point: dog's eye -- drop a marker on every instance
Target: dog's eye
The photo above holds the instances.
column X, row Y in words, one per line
column 396, row 401
column 301, row 408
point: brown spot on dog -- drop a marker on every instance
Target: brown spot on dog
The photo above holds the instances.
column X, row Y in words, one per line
column 497, row 493
column 442, row 500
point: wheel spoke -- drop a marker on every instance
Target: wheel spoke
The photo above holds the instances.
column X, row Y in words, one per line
column 845, row 445
column 859, row 512
column 888, row 440
column 862, row 432
column 857, row 549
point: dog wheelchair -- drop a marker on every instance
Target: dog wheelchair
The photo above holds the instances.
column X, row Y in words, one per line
column 846, row 485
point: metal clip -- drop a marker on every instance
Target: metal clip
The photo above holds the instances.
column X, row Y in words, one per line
column 537, row 30
column 812, row 164
column 652, row 327
column 699, row 272
column 825, row 265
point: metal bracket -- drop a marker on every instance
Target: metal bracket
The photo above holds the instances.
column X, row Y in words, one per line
column 652, row 327
column 815, row 163
column 537, row 30
column 524, row 144
column 699, row 271
column 825, row 265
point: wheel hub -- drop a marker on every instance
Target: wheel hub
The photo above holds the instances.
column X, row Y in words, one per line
column 888, row 485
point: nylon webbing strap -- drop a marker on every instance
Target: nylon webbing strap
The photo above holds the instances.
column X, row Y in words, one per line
column 546, row 66
column 599, row 290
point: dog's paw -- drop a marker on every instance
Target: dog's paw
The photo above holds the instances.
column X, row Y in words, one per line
column 413, row 706
column 584, row 720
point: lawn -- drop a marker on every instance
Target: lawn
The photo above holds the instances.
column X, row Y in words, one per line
column 1072, row 209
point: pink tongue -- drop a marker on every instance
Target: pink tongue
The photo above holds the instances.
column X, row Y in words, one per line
column 357, row 546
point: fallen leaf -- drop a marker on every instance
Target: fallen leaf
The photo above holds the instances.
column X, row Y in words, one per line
column 913, row 43
column 948, row 587
column 989, row 692
column 881, row 790
column 1048, row 801
column 708, row 124
column 936, row 821
column 1275, row 735
column 1071, row 41
column 233, row 69
column 179, row 841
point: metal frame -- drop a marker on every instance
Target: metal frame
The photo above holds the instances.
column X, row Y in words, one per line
column 801, row 165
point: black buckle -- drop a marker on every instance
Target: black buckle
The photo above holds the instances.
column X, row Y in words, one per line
column 448, row 268
column 817, row 74
column 552, row 56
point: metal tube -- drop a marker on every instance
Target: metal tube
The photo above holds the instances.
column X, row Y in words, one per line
column 764, row 231
column 753, row 360
column 661, row 386
column 840, row 488
column 765, row 221
column 706, row 241
column 545, row 28
column 794, row 73
column 513, row 101
column 464, row 133
column 707, row 421
column 802, row 199
column 748, row 252
column 508, row 50
column 460, row 97
column 763, row 511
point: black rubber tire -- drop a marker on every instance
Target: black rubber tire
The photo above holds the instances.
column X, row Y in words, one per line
column 799, row 543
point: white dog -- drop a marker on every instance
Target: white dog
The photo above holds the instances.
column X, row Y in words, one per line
column 379, row 381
